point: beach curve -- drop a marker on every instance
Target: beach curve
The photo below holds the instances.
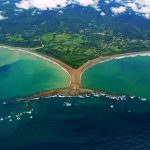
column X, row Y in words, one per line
column 75, row 75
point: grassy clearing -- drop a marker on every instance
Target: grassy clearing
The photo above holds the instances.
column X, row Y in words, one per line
column 69, row 48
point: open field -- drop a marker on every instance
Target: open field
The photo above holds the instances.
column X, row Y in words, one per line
column 76, row 35
column 76, row 49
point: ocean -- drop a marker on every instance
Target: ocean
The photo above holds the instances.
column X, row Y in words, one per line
column 22, row 74
column 90, row 122
column 75, row 123
column 130, row 75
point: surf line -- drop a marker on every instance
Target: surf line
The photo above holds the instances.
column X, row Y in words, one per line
column 75, row 87
column 41, row 56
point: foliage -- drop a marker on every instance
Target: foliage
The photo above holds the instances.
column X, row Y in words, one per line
column 76, row 35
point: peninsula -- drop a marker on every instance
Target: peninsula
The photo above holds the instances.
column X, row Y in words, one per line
column 75, row 88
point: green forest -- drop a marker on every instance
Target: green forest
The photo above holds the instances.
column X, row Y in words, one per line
column 75, row 35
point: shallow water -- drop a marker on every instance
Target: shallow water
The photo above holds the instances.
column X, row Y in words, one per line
column 93, row 122
column 129, row 76
column 23, row 74
column 90, row 123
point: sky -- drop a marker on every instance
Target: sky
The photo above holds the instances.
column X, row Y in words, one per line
column 139, row 7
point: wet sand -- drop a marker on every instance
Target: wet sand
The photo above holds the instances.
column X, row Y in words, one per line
column 75, row 87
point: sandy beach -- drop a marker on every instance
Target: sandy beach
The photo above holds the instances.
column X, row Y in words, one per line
column 102, row 59
column 42, row 56
column 75, row 75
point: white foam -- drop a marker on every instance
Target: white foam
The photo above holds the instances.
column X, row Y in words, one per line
column 67, row 104
column 4, row 103
column 29, row 112
column 134, row 55
column 111, row 106
column 132, row 97
column 60, row 96
column 18, row 118
column 96, row 95
column 81, row 96
column 37, row 98
column 143, row 99
column 1, row 119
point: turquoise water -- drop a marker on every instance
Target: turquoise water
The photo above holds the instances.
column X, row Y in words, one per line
column 23, row 74
column 72, row 123
column 129, row 76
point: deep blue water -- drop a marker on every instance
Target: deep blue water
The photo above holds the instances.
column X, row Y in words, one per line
column 90, row 123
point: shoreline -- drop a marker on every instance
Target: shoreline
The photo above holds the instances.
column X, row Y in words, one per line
column 66, row 93
column 104, row 59
column 31, row 52
column 75, row 88
column 24, row 50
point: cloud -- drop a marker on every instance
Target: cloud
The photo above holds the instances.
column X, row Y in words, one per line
column 140, row 7
column 53, row 4
column 42, row 4
column 2, row 17
column 147, row 16
column 118, row 10
column 102, row 14
column 6, row 3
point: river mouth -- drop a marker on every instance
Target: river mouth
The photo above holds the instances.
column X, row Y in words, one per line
column 129, row 76
column 23, row 74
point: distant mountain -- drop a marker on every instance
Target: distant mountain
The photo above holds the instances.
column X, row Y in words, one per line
column 75, row 31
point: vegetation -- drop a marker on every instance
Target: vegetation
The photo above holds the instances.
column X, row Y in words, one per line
column 73, row 49
column 76, row 35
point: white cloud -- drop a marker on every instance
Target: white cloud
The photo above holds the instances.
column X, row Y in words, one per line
column 6, row 3
column 107, row 1
column 118, row 10
column 2, row 17
column 52, row 4
column 118, row 1
column 133, row 6
column 86, row 2
column 140, row 7
column 102, row 14
column 147, row 16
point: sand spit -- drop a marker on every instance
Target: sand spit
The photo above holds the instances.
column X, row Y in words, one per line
column 75, row 87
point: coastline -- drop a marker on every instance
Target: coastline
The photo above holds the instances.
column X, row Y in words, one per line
column 102, row 59
column 75, row 88
column 24, row 50
column 66, row 93
column 41, row 56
